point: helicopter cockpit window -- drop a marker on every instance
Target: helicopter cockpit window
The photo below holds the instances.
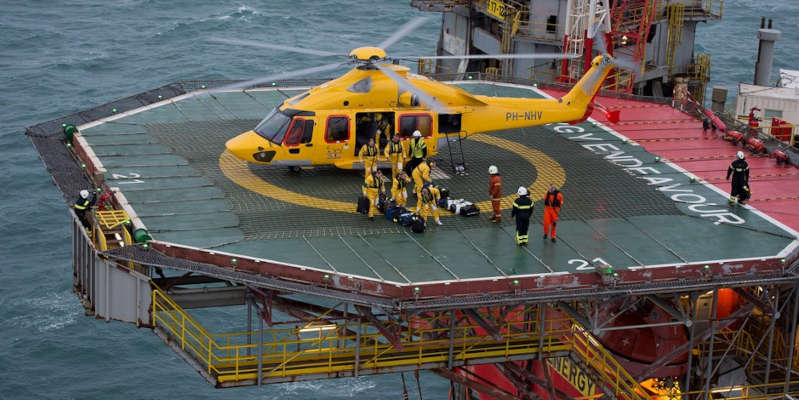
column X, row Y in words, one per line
column 338, row 129
column 299, row 132
column 362, row 86
column 421, row 122
column 274, row 126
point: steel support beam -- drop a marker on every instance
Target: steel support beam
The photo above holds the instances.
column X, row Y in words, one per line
column 767, row 309
column 574, row 315
column 492, row 391
column 709, row 370
column 676, row 352
column 208, row 297
column 488, row 326
column 666, row 307
column 382, row 328
column 795, row 313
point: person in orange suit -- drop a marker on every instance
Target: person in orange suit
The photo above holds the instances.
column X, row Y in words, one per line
column 495, row 192
column 553, row 201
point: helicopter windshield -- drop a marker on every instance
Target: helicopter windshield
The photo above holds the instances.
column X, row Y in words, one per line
column 274, row 126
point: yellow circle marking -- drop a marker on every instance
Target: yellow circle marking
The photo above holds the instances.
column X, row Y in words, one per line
column 549, row 171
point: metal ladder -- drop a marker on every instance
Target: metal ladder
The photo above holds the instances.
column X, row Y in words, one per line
column 456, row 158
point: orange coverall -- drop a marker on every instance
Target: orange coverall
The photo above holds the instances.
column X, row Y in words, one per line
column 552, row 203
column 495, row 192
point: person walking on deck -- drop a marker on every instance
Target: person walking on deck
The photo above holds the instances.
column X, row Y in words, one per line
column 368, row 156
column 399, row 189
column 82, row 205
column 553, row 201
column 421, row 175
column 417, row 151
column 522, row 210
column 739, row 169
column 372, row 187
column 495, row 192
column 395, row 153
column 427, row 204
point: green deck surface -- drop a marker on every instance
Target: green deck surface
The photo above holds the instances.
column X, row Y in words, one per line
column 165, row 160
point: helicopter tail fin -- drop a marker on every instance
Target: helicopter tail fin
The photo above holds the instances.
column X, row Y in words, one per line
column 583, row 93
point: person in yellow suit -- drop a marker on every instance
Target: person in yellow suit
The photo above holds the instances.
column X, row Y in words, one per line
column 428, row 203
column 383, row 129
column 395, row 153
column 421, row 175
column 372, row 187
column 399, row 191
column 368, row 156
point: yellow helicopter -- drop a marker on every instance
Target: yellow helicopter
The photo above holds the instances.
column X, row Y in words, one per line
column 328, row 124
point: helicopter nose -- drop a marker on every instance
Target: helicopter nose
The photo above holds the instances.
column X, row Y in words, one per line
column 249, row 146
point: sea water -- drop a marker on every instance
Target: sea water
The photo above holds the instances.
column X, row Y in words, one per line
column 58, row 57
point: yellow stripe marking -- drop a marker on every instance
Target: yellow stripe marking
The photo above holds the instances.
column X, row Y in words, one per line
column 549, row 171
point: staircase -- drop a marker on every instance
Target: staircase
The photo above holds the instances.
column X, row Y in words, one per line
column 455, row 150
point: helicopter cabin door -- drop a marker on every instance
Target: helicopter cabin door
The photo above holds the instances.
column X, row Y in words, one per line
column 422, row 122
column 298, row 141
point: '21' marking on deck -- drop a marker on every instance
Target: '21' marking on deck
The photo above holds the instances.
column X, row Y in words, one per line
column 584, row 265
column 525, row 115
column 132, row 176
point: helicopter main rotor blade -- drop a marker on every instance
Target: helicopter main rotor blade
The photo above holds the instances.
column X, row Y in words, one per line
column 276, row 77
column 406, row 86
column 293, row 49
column 497, row 56
column 602, row 47
column 402, row 31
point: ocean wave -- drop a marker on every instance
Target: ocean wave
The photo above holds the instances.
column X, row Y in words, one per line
column 50, row 312
column 351, row 387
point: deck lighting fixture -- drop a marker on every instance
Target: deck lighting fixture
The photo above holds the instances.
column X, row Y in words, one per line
column 469, row 77
column 657, row 159
column 317, row 328
column 69, row 144
column 326, row 276
column 417, row 289
column 693, row 179
column 145, row 245
column 114, row 110
column 707, row 267
column 274, row 84
column 782, row 260
column 615, row 274
column 160, row 97
column 608, row 270
column 203, row 86
column 83, row 165
column 535, row 85
column 234, row 261
column 515, row 282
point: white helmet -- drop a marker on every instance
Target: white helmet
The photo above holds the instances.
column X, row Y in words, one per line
column 740, row 155
column 522, row 191
column 493, row 170
column 416, row 133
column 84, row 194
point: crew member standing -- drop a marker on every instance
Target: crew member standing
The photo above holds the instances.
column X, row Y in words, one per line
column 428, row 203
column 739, row 169
column 421, row 175
column 495, row 192
column 395, row 154
column 368, row 156
column 522, row 210
column 399, row 189
column 383, row 129
column 553, row 201
column 82, row 206
column 417, row 151
column 372, row 187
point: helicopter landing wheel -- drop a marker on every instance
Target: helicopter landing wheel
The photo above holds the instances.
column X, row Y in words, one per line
column 295, row 169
